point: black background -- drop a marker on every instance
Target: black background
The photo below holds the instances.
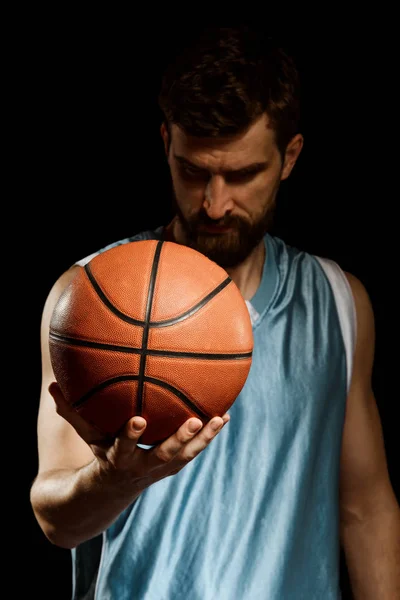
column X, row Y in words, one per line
column 94, row 171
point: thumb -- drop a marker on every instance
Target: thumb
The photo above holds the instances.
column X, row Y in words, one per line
column 61, row 404
column 87, row 432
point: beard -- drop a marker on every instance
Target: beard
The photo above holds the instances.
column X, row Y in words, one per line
column 227, row 249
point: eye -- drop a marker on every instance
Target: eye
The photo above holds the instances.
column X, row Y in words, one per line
column 193, row 172
column 241, row 177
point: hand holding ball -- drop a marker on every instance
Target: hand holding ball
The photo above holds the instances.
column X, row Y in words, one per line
column 153, row 329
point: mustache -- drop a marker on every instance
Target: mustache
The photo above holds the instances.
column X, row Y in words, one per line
column 226, row 221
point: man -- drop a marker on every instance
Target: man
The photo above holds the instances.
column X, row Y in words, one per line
column 253, row 505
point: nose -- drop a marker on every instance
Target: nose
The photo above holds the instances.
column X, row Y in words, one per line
column 217, row 198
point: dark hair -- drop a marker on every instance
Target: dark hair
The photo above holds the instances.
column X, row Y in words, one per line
column 225, row 79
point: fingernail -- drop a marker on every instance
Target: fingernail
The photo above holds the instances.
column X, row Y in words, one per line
column 194, row 426
column 138, row 426
column 215, row 425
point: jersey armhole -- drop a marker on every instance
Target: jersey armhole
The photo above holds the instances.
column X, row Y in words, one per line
column 345, row 307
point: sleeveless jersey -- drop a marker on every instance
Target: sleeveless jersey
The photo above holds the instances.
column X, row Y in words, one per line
column 255, row 516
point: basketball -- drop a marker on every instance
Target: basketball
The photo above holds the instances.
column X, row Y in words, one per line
column 153, row 329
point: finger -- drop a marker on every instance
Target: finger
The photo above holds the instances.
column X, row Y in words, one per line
column 226, row 417
column 62, row 405
column 192, row 448
column 185, row 445
column 126, row 442
column 167, row 450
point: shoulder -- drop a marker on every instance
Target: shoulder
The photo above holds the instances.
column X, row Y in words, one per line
column 353, row 299
column 365, row 319
column 360, row 294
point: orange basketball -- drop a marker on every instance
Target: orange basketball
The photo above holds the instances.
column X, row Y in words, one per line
column 153, row 329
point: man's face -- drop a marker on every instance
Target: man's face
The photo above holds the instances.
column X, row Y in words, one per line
column 224, row 190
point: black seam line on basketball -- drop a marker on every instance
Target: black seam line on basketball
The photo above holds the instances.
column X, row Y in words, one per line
column 180, row 395
column 156, row 382
column 107, row 302
column 200, row 355
column 102, row 386
column 141, row 323
column 129, row 350
column 195, row 308
column 145, row 336
column 88, row 344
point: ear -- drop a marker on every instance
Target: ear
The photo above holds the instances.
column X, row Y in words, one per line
column 293, row 150
column 165, row 137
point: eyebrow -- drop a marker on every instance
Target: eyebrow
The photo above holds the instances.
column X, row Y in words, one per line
column 252, row 167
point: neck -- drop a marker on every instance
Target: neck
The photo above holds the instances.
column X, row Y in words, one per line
column 246, row 276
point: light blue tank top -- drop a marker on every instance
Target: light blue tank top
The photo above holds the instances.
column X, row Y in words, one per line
column 255, row 516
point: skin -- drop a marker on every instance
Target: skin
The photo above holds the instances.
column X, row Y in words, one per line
column 209, row 191
column 231, row 183
column 74, row 464
column 205, row 192
column 85, row 481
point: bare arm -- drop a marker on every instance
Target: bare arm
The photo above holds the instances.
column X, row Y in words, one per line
column 83, row 482
column 72, row 505
column 370, row 514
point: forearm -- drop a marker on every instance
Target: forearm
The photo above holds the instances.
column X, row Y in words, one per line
column 372, row 552
column 73, row 505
